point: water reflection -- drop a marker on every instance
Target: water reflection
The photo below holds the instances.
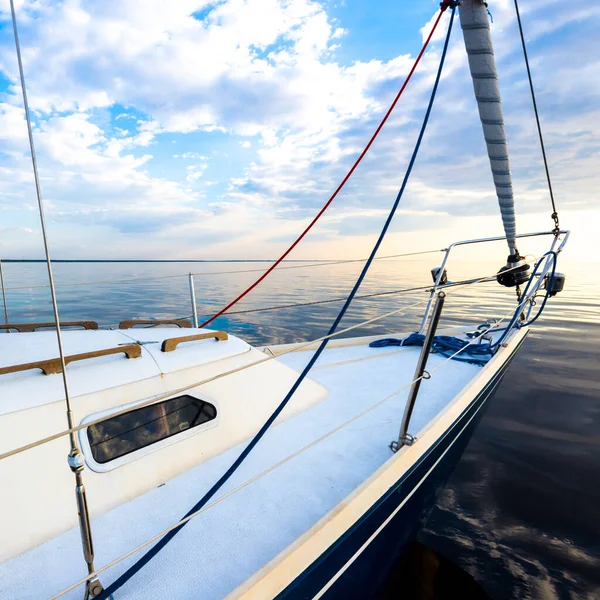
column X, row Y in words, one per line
column 521, row 513
column 424, row 574
column 522, row 510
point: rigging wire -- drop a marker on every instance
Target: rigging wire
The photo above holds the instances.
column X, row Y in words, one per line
column 75, row 457
column 444, row 5
column 279, row 464
column 554, row 214
column 3, row 294
column 266, row 426
column 43, row 225
column 423, row 288
column 297, row 348
column 204, row 274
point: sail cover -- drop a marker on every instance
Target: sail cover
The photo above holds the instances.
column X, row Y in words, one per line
column 475, row 24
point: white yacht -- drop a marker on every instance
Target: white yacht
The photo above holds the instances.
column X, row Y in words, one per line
column 178, row 461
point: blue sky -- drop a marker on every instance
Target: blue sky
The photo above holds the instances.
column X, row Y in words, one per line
column 195, row 129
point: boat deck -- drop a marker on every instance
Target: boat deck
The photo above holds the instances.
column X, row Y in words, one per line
column 224, row 546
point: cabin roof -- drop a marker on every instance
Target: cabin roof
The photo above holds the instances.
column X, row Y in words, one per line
column 31, row 388
column 253, row 526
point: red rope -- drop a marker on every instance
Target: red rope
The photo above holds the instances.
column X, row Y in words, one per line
column 343, row 182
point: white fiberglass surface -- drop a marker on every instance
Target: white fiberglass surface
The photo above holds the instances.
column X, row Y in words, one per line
column 188, row 354
column 31, row 388
column 218, row 550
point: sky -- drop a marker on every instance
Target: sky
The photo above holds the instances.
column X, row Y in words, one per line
column 217, row 129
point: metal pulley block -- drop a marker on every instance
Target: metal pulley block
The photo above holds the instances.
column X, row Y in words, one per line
column 516, row 271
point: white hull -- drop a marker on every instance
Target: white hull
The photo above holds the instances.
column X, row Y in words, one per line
column 273, row 528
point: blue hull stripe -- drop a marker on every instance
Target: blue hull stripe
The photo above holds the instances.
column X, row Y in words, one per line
column 415, row 492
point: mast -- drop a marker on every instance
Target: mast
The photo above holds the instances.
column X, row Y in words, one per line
column 475, row 24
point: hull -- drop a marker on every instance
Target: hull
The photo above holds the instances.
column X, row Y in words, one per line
column 312, row 527
column 360, row 562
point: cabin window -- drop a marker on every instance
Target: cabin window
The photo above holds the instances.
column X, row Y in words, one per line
column 142, row 427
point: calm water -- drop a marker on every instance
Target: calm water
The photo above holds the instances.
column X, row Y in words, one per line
column 521, row 512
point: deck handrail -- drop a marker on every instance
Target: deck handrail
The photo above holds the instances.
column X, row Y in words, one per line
column 31, row 327
column 130, row 323
column 441, row 269
column 52, row 365
column 189, row 386
column 170, row 344
column 260, row 475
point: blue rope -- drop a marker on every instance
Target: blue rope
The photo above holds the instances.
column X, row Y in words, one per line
column 548, row 286
column 477, row 354
column 515, row 317
column 444, row 345
column 240, row 459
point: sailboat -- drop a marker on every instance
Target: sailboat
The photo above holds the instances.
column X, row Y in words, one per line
column 194, row 465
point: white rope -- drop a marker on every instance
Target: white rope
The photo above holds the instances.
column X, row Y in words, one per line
column 38, row 190
column 82, row 283
column 159, row 277
column 426, row 288
column 202, row 382
column 213, row 378
column 3, row 294
column 190, row 386
column 269, row 470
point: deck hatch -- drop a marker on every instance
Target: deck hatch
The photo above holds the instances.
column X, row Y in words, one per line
column 142, row 427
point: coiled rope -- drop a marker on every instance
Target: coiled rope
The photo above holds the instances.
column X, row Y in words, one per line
column 444, row 345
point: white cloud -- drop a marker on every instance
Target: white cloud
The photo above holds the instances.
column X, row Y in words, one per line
column 195, row 172
column 261, row 75
column 191, row 156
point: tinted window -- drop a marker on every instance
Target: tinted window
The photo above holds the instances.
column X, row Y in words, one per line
column 145, row 426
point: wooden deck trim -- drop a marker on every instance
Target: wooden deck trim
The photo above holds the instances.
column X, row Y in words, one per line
column 170, row 344
column 129, row 323
column 53, row 365
column 31, row 327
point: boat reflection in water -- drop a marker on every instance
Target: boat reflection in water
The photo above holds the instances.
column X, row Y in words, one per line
column 423, row 574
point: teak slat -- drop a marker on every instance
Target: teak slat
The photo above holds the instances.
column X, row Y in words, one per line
column 52, row 365
column 129, row 323
column 31, row 327
column 170, row 344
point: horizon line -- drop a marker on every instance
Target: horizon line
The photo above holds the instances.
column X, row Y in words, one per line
column 153, row 260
